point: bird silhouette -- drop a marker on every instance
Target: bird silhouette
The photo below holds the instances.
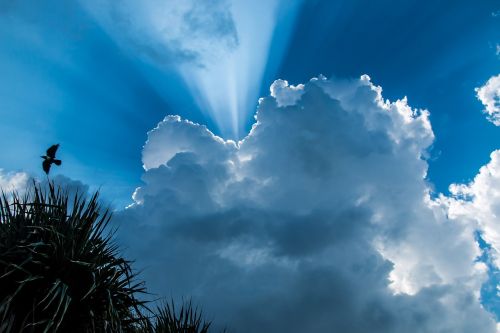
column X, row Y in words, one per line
column 50, row 158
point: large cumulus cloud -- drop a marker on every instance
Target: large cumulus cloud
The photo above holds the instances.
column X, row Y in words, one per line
column 319, row 220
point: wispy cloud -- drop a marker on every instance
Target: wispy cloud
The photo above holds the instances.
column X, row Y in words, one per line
column 169, row 32
column 219, row 47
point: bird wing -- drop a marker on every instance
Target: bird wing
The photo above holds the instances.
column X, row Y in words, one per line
column 51, row 152
column 46, row 166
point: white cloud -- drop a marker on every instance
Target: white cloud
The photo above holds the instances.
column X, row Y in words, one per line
column 20, row 182
column 13, row 181
column 318, row 220
column 479, row 202
column 286, row 94
column 489, row 95
column 183, row 136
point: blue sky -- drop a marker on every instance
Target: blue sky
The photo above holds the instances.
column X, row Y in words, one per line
column 97, row 76
column 85, row 87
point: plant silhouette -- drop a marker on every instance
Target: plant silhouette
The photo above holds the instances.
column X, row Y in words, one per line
column 60, row 271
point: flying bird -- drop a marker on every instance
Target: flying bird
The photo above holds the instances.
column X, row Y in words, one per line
column 50, row 158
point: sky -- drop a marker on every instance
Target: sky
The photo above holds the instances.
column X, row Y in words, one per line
column 278, row 158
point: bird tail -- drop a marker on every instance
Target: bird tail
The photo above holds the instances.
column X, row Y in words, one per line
column 57, row 162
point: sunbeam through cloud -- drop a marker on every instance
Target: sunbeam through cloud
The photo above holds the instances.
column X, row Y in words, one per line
column 219, row 47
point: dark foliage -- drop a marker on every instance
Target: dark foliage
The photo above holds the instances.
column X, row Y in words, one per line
column 60, row 270
column 185, row 320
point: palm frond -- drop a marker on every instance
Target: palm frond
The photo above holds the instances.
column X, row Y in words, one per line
column 59, row 267
column 186, row 319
